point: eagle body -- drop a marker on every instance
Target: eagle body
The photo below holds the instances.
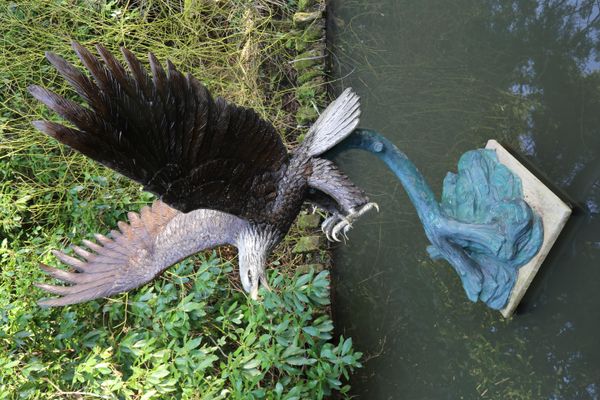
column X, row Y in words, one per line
column 221, row 172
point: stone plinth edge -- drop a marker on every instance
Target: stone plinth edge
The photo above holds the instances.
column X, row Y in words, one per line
column 553, row 211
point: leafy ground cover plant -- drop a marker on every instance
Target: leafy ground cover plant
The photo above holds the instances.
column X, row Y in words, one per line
column 192, row 333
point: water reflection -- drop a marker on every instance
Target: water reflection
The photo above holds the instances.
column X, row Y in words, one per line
column 440, row 78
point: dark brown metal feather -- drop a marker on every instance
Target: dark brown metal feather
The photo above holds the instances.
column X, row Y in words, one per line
column 168, row 133
column 81, row 83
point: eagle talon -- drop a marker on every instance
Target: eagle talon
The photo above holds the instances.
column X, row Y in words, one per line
column 343, row 227
column 336, row 223
column 325, row 226
column 334, row 235
column 331, row 224
column 346, row 229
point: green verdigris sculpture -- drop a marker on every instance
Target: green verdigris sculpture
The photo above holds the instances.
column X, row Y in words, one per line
column 483, row 227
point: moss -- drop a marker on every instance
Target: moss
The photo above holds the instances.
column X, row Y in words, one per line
column 307, row 268
column 304, row 5
column 313, row 33
column 311, row 92
column 304, row 18
column 307, row 60
column 306, row 114
column 308, row 221
column 310, row 74
column 308, row 244
column 311, row 89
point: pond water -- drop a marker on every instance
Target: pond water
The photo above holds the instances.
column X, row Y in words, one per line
column 439, row 78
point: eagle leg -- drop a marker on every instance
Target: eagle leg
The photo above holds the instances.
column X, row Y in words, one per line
column 333, row 191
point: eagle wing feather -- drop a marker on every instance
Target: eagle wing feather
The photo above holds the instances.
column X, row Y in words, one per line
column 138, row 252
column 166, row 132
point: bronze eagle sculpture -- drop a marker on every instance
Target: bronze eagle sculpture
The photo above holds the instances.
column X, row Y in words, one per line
column 221, row 172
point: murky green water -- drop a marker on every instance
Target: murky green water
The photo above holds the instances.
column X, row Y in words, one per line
column 440, row 78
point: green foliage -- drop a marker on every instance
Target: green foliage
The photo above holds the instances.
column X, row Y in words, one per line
column 189, row 334
column 192, row 333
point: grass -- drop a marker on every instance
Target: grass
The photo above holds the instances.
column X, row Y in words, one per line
column 192, row 333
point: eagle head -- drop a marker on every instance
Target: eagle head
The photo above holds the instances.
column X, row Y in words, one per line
column 254, row 247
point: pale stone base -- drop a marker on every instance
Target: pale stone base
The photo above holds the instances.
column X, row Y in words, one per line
column 554, row 213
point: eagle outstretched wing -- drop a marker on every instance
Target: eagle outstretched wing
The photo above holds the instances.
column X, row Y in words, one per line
column 151, row 242
column 166, row 132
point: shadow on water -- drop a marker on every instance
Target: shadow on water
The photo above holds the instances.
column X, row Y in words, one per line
column 439, row 78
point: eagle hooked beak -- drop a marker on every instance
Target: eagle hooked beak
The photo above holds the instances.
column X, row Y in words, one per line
column 262, row 280
column 252, row 273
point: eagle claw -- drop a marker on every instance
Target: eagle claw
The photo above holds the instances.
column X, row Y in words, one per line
column 336, row 223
